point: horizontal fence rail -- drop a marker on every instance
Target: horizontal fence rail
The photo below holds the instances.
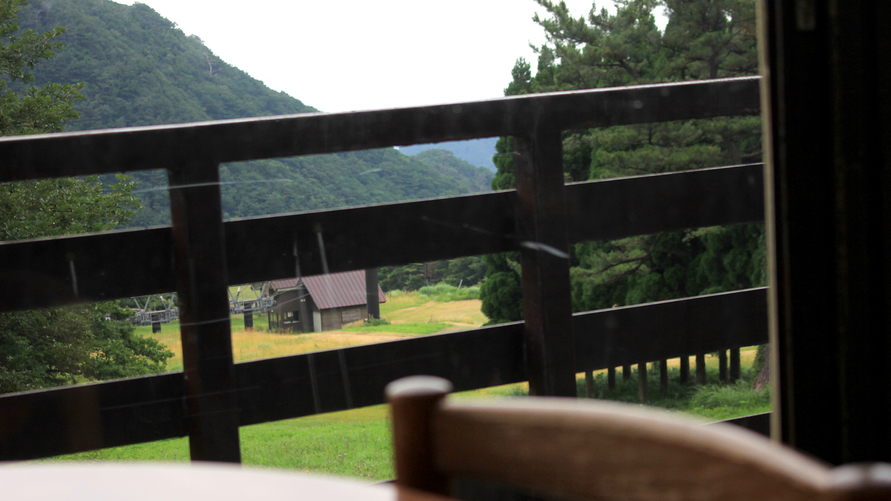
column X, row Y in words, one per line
column 160, row 147
column 67, row 420
column 669, row 329
column 81, row 268
column 39, row 272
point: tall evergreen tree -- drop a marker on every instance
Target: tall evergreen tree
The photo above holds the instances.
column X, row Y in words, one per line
column 703, row 39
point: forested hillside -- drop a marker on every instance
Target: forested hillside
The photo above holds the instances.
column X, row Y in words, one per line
column 478, row 152
column 448, row 164
column 140, row 69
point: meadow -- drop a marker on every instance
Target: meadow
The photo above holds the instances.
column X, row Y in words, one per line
column 356, row 443
column 409, row 314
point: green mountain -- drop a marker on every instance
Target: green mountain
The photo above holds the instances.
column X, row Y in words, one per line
column 478, row 152
column 448, row 164
column 140, row 69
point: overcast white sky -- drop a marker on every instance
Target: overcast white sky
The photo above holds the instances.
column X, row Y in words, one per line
column 344, row 55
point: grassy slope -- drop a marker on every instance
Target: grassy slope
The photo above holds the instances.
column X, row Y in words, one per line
column 356, row 443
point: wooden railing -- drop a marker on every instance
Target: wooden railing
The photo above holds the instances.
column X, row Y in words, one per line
column 213, row 396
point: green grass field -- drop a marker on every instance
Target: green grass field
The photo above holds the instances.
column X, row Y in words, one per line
column 418, row 329
column 352, row 444
column 356, row 443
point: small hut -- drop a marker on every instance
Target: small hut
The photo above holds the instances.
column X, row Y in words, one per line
column 319, row 303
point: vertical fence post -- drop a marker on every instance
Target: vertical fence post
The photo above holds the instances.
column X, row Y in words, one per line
column 685, row 369
column 371, row 286
column 700, row 369
column 722, row 366
column 643, row 390
column 626, row 372
column 611, row 378
column 544, row 254
column 211, row 402
column 663, row 375
column 735, row 369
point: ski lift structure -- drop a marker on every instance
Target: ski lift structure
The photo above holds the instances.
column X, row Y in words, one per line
column 146, row 316
column 261, row 302
column 237, row 305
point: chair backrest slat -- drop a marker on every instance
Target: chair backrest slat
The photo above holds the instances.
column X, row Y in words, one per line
column 584, row 449
column 598, row 450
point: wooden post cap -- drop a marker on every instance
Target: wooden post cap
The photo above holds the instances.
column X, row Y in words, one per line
column 417, row 386
column 413, row 402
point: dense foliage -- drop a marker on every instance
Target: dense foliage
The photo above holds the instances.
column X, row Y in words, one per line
column 27, row 108
column 465, row 272
column 474, row 177
column 59, row 345
column 138, row 68
column 141, row 69
column 703, row 39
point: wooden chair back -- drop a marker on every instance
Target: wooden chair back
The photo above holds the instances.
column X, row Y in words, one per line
column 582, row 449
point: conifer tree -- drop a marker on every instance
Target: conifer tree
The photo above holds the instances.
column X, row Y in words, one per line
column 703, row 39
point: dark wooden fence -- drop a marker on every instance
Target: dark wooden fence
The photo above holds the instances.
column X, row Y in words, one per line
column 213, row 396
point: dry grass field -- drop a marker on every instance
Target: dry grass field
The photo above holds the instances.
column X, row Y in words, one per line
column 460, row 314
column 409, row 314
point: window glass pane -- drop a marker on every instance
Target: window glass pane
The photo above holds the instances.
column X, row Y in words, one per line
column 634, row 262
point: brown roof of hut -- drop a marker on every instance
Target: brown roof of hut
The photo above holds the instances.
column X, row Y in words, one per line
column 334, row 290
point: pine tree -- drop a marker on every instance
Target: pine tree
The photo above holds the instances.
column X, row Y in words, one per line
column 703, row 39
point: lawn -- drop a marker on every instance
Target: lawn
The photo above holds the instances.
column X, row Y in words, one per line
column 352, row 443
